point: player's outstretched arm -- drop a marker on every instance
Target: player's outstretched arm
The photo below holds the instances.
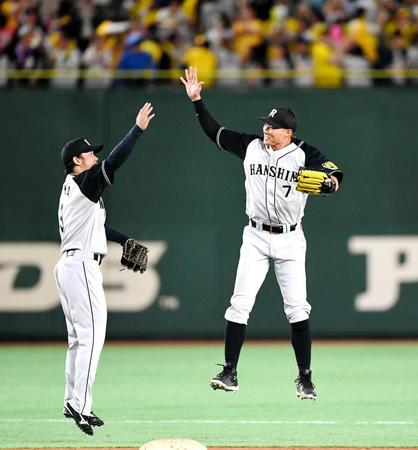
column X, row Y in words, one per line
column 192, row 84
column 121, row 152
column 229, row 140
column 193, row 89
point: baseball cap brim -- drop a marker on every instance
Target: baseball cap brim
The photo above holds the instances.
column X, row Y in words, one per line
column 270, row 121
column 96, row 148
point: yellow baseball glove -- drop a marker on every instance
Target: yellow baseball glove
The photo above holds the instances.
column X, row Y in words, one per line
column 315, row 182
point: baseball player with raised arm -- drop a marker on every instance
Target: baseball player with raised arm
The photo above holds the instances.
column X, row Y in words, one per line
column 84, row 236
column 280, row 172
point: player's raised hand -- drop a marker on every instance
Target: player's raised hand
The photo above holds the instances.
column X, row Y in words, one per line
column 192, row 84
column 144, row 116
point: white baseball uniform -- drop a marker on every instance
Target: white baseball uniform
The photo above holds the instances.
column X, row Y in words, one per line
column 79, row 281
column 275, row 210
column 271, row 199
column 81, row 216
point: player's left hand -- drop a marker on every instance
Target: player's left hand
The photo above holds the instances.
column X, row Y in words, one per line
column 316, row 182
column 145, row 116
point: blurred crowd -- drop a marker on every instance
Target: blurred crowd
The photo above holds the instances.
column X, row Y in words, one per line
column 320, row 43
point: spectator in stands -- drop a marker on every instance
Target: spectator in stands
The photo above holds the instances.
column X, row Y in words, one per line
column 65, row 58
column 248, row 33
column 257, row 64
column 202, row 57
column 399, row 61
column 302, row 64
column 228, row 65
column 383, row 61
column 172, row 19
column 401, row 25
column 278, row 61
column 327, row 60
column 97, row 60
column 219, row 32
column 174, row 48
column 133, row 58
column 356, row 67
column 29, row 54
column 358, row 30
column 86, row 11
column 335, row 11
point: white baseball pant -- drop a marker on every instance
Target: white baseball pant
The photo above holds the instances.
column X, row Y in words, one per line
column 80, row 286
column 287, row 251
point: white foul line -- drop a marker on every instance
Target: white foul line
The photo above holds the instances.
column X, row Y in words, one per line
column 221, row 421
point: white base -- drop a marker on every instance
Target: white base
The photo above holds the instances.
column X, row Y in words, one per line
column 173, row 444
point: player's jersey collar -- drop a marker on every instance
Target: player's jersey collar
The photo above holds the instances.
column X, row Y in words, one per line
column 289, row 147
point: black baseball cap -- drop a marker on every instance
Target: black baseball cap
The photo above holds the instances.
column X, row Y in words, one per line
column 281, row 118
column 77, row 146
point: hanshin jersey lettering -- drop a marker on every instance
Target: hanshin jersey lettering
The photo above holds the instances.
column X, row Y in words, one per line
column 271, row 176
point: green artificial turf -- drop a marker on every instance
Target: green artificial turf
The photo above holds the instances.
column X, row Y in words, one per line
column 367, row 396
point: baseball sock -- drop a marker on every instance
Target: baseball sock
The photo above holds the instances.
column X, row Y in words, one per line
column 301, row 342
column 234, row 338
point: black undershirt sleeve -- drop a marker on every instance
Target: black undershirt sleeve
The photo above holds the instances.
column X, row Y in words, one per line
column 316, row 160
column 115, row 236
column 92, row 182
column 121, row 152
column 207, row 122
column 228, row 140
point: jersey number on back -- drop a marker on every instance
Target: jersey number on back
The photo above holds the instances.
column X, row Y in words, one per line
column 66, row 191
column 61, row 219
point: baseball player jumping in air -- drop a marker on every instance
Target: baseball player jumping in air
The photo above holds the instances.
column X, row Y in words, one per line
column 84, row 236
column 280, row 171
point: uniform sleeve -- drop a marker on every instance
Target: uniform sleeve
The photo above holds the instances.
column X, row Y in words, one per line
column 316, row 160
column 115, row 236
column 92, row 182
column 228, row 140
column 235, row 142
column 121, row 152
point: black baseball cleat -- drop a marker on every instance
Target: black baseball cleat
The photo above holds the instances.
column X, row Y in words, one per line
column 305, row 389
column 80, row 421
column 92, row 419
column 226, row 380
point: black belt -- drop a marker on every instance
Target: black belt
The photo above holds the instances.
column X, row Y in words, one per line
column 275, row 229
column 96, row 256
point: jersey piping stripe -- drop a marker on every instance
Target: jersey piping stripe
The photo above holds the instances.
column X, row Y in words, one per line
column 105, row 174
column 274, row 201
column 218, row 134
column 267, row 205
column 275, row 180
column 300, row 204
column 267, row 177
column 92, row 344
